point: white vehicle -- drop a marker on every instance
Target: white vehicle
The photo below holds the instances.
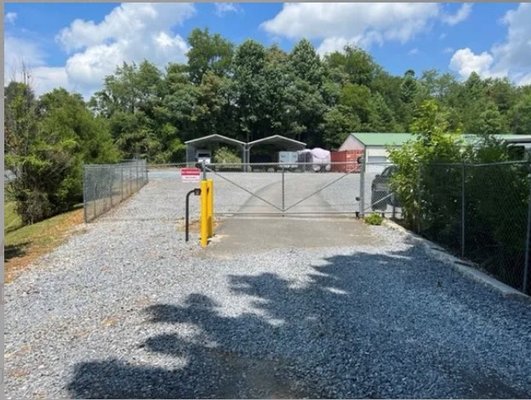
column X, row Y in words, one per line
column 203, row 155
column 317, row 159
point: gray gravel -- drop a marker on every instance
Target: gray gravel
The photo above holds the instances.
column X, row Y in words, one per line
column 127, row 309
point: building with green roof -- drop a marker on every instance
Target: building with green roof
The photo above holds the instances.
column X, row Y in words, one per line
column 375, row 145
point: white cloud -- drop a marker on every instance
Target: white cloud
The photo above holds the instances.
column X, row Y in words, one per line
column 46, row 79
column 510, row 58
column 19, row 52
column 225, row 8
column 413, row 52
column 464, row 61
column 461, row 15
column 10, row 17
column 523, row 79
column 131, row 32
column 448, row 50
column 362, row 24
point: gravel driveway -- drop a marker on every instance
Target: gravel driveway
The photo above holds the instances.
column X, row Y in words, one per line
column 127, row 309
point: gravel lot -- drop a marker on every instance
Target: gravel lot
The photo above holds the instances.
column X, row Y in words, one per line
column 127, row 309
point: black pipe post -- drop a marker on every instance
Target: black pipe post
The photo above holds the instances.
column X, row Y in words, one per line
column 196, row 192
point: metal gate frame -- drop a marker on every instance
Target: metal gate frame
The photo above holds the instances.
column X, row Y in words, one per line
column 283, row 210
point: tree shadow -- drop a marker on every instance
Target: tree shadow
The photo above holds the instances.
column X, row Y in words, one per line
column 18, row 250
column 365, row 325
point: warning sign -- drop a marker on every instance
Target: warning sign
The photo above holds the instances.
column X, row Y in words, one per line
column 190, row 174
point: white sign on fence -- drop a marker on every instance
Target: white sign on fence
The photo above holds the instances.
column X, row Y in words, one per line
column 190, row 174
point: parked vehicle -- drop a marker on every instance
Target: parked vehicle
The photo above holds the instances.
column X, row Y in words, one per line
column 203, row 155
column 317, row 160
column 381, row 194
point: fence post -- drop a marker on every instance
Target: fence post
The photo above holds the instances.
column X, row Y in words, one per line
column 112, row 185
column 463, row 209
column 362, row 188
column 526, row 263
column 419, row 198
column 95, row 198
column 283, row 193
column 85, row 193
column 122, row 181
column 136, row 176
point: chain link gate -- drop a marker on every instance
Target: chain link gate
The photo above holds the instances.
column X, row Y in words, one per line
column 302, row 189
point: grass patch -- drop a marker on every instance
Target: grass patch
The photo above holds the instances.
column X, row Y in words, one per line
column 12, row 220
column 374, row 219
column 24, row 244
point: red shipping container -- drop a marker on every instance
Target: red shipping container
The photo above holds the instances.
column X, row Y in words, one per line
column 349, row 158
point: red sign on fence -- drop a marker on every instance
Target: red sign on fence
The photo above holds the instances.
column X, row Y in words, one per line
column 190, row 174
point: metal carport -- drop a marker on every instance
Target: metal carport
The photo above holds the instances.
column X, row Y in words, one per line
column 194, row 144
column 290, row 144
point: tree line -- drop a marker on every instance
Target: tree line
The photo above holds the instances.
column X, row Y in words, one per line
column 245, row 92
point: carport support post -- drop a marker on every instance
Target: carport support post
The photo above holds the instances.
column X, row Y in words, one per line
column 526, row 265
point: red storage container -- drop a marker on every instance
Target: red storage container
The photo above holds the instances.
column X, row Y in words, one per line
column 349, row 157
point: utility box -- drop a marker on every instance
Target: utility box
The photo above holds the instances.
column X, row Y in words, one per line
column 288, row 159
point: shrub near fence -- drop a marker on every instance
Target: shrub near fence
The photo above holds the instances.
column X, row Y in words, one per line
column 481, row 211
column 106, row 185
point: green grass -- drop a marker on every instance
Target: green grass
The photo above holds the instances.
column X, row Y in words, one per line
column 23, row 244
column 11, row 219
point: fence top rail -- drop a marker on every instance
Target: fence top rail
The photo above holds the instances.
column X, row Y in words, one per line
column 461, row 164
column 120, row 164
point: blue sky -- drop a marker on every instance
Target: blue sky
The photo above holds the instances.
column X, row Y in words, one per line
column 76, row 44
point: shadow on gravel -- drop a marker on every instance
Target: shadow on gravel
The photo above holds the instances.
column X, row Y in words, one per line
column 363, row 326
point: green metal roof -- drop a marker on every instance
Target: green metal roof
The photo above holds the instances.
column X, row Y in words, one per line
column 382, row 139
column 398, row 139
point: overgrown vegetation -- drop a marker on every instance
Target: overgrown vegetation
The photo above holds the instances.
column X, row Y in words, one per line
column 439, row 170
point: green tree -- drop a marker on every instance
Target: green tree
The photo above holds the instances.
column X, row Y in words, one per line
column 208, row 53
column 48, row 153
column 521, row 116
column 250, row 89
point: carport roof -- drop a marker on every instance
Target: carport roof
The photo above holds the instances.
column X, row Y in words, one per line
column 278, row 138
column 215, row 138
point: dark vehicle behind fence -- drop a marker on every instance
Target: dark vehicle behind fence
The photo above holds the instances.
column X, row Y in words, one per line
column 381, row 194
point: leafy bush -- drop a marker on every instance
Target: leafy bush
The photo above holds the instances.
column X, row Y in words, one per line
column 224, row 155
column 373, row 219
column 432, row 172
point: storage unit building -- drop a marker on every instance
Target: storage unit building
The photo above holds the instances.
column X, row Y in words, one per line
column 374, row 147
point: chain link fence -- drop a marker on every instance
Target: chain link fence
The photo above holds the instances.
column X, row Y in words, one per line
column 481, row 212
column 106, row 185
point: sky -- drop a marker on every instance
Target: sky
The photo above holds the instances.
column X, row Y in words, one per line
column 75, row 45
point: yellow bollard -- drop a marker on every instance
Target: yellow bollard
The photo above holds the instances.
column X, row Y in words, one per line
column 203, row 218
column 210, row 207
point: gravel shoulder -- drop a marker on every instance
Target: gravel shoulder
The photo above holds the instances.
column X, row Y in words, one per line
column 127, row 309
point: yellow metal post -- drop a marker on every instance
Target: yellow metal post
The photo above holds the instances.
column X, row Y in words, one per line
column 210, row 207
column 203, row 219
